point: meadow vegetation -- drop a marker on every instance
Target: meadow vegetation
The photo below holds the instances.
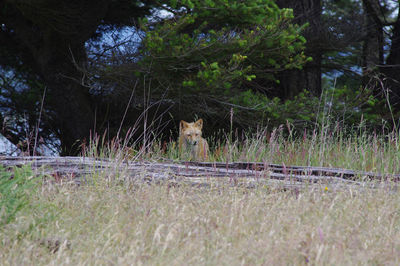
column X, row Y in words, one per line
column 329, row 147
column 236, row 64
column 101, row 222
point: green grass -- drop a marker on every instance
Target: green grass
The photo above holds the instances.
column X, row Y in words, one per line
column 17, row 190
column 159, row 224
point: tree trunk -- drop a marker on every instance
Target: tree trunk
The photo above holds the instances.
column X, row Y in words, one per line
column 50, row 36
column 372, row 50
column 295, row 81
column 392, row 68
column 241, row 174
column 66, row 96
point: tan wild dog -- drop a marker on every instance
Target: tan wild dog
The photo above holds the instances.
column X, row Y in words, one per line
column 191, row 143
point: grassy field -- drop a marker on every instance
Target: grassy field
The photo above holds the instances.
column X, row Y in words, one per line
column 333, row 148
column 138, row 223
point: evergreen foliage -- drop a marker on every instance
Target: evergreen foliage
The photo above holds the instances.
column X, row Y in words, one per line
column 220, row 44
column 210, row 52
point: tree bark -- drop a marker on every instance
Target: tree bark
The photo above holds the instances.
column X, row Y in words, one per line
column 50, row 36
column 392, row 68
column 70, row 100
column 247, row 174
column 372, row 50
column 309, row 78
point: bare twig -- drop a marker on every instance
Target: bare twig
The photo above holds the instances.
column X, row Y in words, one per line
column 38, row 123
column 126, row 109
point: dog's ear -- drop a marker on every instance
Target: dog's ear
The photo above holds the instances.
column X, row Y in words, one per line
column 199, row 123
column 183, row 125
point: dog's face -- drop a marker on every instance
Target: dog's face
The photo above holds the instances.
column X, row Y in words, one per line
column 191, row 131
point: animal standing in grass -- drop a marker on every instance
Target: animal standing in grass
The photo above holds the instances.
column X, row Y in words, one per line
column 191, row 143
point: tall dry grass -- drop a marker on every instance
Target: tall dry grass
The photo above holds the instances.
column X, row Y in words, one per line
column 356, row 150
column 163, row 224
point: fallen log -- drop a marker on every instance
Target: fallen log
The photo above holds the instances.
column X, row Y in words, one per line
column 250, row 174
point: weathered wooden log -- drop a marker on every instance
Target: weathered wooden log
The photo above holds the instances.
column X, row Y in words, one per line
column 80, row 169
